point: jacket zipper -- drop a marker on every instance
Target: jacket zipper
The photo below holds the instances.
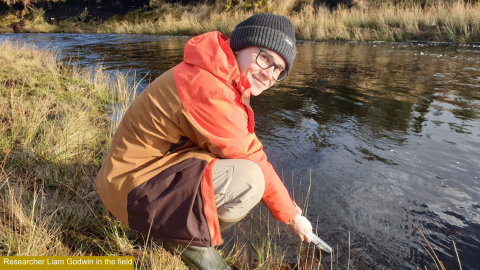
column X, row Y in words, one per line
column 181, row 142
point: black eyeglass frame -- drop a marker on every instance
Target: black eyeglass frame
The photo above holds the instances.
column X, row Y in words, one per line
column 273, row 64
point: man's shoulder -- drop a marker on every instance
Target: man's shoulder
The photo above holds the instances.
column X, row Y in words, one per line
column 199, row 83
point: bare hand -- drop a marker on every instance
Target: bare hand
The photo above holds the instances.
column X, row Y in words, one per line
column 301, row 227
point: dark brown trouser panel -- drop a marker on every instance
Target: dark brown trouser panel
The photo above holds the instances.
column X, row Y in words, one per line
column 173, row 200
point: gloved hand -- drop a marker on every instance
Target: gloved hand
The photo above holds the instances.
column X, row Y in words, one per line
column 301, row 227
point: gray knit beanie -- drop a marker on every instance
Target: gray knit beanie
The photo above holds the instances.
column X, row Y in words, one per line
column 266, row 30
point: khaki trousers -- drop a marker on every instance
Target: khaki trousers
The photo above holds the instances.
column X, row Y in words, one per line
column 239, row 185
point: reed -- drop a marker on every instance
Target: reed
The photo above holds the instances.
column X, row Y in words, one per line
column 260, row 242
column 173, row 20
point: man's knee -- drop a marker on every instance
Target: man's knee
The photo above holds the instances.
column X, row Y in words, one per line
column 252, row 176
column 246, row 186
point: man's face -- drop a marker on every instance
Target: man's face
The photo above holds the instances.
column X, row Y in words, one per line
column 260, row 79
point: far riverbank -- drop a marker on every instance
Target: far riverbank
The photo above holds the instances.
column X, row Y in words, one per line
column 455, row 21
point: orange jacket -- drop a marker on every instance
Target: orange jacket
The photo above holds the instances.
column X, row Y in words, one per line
column 157, row 175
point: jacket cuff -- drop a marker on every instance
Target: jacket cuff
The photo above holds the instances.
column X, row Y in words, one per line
column 292, row 213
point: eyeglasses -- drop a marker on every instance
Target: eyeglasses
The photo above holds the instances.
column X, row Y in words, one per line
column 265, row 61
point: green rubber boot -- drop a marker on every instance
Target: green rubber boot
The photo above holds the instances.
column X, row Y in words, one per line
column 199, row 258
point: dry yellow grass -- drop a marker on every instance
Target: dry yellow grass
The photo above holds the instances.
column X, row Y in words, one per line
column 456, row 21
column 55, row 128
column 374, row 20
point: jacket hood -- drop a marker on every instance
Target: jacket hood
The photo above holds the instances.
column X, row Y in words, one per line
column 211, row 52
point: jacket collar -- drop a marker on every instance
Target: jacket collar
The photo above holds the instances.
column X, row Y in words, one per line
column 211, row 52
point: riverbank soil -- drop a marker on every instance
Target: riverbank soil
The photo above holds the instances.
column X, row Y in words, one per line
column 16, row 16
column 90, row 10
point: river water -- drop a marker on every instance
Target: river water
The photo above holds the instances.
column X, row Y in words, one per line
column 388, row 133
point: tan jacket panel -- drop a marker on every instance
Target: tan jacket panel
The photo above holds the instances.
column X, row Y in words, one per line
column 155, row 121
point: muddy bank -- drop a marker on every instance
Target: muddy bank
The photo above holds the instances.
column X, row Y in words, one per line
column 54, row 12
column 14, row 18
column 85, row 11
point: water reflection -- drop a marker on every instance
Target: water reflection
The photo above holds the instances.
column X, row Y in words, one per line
column 398, row 143
column 389, row 131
